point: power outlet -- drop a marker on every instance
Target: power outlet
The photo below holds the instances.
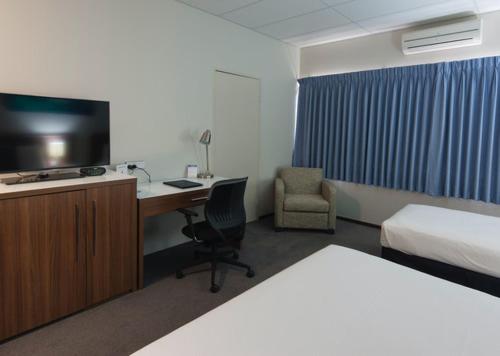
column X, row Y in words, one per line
column 139, row 164
column 122, row 168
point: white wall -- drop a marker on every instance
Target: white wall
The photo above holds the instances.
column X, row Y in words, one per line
column 371, row 204
column 154, row 60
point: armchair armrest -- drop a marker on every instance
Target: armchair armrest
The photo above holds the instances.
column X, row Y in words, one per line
column 279, row 200
column 328, row 191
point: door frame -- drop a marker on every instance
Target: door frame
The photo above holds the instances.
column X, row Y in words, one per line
column 259, row 127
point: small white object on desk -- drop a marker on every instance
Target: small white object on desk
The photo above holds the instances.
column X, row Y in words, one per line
column 192, row 171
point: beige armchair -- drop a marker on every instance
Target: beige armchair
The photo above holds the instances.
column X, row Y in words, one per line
column 304, row 200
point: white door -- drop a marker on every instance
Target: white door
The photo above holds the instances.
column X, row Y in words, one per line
column 236, row 137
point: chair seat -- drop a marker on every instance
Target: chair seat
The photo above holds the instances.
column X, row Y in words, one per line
column 306, row 203
column 204, row 232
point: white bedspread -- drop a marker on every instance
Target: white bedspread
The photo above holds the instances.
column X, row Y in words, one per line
column 343, row 302
column 459, row 238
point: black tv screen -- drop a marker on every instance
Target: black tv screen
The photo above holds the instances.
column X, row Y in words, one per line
column 42, row 133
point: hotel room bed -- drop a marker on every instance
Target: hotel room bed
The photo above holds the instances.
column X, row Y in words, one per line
column 460, row 246
column 343, row 302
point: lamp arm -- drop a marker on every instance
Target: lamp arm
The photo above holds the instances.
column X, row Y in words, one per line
column 208, row 165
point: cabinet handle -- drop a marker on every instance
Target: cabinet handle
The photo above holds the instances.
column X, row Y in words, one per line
column 94, row 225
column 199, row 198
column 77, row 227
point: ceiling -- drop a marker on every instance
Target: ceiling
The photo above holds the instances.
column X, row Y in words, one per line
column 310, row 22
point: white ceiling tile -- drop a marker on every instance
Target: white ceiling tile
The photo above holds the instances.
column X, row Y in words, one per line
column 488, row 5
column 330, row 35
column 269, row 11
column 308, row 22
column 316, row 21
column 218, row 7
column 418, row 16
column 363, row 9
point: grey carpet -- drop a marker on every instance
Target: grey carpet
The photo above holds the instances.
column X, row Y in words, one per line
column 128, row 323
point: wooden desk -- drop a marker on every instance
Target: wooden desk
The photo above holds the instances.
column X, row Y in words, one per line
column 157, row 198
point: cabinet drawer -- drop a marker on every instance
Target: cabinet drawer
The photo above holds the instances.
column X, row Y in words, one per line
column 172, row 202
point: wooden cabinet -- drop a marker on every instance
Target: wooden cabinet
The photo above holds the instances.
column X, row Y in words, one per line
column 42, row 260
column 63, row 251
column 111, row 245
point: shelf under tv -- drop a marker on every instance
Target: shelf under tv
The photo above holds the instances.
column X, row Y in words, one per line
column 41, row 177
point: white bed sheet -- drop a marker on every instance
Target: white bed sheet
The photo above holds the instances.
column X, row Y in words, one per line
column 343, row 302
column 459, row 238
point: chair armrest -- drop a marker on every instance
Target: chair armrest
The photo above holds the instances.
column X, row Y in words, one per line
column 328, row 191
column 279, row 199
column 187, row 212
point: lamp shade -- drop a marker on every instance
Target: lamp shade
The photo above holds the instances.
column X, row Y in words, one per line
column 206, row 137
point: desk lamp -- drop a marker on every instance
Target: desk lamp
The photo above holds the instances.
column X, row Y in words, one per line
column 205, row 139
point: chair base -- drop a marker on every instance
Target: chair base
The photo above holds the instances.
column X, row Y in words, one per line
column 214, row 257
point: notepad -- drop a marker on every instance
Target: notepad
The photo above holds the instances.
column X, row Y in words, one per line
column 183, row 184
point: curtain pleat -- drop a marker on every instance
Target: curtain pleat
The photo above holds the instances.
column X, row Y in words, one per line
column 430, row 128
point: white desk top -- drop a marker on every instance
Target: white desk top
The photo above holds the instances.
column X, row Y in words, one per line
column 109, row 176
column 157, row 188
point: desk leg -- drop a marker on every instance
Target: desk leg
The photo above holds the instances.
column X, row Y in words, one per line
column 140, row 248
column 134, row 252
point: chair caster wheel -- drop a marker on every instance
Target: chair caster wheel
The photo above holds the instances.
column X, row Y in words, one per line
column 236, row 255
column 179, row 275
column 250, row 273
column 214, row 288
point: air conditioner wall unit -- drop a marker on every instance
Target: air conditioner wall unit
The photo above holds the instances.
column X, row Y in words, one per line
column 453, row 35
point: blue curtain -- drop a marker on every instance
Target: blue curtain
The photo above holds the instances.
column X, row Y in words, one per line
column 430, row 128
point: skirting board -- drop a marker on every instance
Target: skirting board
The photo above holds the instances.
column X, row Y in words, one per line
column 338, row 217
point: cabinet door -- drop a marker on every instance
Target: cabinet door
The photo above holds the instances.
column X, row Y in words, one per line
column 42, row 260
column 111, row 244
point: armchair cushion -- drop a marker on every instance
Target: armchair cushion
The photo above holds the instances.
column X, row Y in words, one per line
column 306, row 203
column 302, row 180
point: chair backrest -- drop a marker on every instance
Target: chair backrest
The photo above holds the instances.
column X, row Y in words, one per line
column 300, row 180
column 225, row 207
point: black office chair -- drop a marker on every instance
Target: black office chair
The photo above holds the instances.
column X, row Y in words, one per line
column 223, row 228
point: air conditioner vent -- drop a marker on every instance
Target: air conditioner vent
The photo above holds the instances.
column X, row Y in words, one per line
column 459, row 34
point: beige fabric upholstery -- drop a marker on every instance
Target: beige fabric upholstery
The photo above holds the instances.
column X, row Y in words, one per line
column 279, row 201
column 298, row 220
column 328, row 192
column 302, row 180
column 306, row 202
column 303, row 199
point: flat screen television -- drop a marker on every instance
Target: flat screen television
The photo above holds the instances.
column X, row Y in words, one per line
column 41, row 133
